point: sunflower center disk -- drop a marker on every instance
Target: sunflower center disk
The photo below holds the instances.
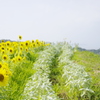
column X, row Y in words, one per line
column 1, row 77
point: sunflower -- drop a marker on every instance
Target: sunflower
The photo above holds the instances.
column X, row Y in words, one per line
column 33, row 41
column 34, row 44
column 2, row 47
column 27, row 43
column 3, row 65
column 11, row 50
column 26, row 49
column 21, row 44
column 20, row 37
column 3, row 78
column 19, row 58
column 2, row 51
column 31, row 45
column 8, row 43
column 7, row 48
column 37, row 40
column 2, row 40
column 3, row 44
column 5, row 57
column 15, row 44
column 21, row 47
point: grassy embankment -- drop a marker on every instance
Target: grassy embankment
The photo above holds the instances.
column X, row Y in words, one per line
column 91, row 62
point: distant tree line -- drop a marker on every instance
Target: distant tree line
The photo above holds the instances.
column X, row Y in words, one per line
column 4, row 40
column 91, row 50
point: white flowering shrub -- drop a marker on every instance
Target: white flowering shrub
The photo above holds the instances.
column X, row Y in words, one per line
column 76, row 78
column 39, row 86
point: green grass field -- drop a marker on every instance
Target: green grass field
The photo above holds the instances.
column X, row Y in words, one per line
column 91, row 62
column 48, row 72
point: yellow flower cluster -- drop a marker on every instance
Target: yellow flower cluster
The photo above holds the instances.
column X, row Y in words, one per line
column 14, row 52
column 4, row 74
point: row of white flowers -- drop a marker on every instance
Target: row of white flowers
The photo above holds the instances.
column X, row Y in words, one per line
column 77, row 79
column 39, row 86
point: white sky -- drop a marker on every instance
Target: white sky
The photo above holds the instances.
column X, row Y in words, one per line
column 52, row 21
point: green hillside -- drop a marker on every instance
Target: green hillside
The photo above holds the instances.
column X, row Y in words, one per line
column 91, row 62
column 91, row 50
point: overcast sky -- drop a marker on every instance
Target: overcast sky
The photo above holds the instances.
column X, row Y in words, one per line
column 77, row 21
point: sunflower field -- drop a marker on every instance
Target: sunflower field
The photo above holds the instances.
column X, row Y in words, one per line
column 36, row 70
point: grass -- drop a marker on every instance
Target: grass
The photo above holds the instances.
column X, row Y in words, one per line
column 91, row 62
column 53, row 72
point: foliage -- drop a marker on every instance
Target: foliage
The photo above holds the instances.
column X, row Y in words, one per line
column 35, row 70
column 91, row 62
